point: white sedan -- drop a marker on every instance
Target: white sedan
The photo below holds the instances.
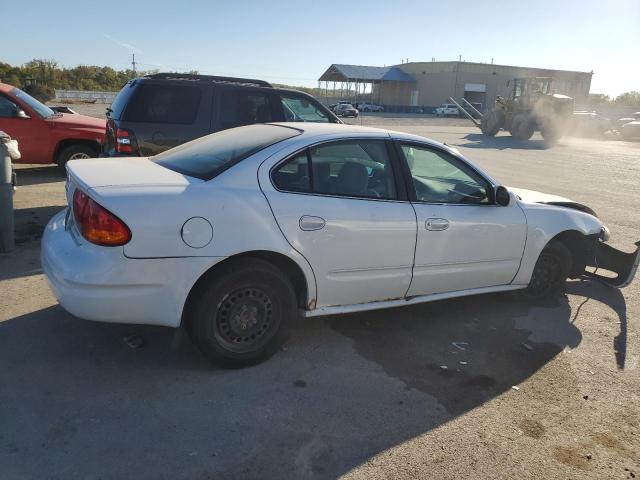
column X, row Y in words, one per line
column 238, row 233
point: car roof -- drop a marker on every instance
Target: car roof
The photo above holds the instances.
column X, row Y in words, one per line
column 312, row 129
column 6, row 88
column 210, row 80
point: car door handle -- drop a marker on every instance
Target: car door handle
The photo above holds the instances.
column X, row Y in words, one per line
column 436, row 224
column 310, row 223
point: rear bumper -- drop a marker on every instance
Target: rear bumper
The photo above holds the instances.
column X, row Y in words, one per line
column 101, row 284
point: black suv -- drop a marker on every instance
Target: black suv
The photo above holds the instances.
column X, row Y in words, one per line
column 157, row 112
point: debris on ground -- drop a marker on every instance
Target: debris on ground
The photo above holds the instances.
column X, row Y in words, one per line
column 459, row 345
column 515, row 388
column 133, row 340
column 586, row 397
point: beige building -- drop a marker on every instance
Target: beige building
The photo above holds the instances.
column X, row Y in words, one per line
column 429, row 84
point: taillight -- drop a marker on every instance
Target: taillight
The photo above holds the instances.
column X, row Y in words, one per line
column 97, row 224
column 124, row 141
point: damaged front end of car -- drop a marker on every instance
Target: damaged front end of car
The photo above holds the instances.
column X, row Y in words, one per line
column 594, row 253
column 623, row 265
column 595, row 258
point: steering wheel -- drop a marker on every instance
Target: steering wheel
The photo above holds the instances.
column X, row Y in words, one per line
column 424, row 192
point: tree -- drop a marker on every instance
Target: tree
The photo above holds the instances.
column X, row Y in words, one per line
column 629, row 99
column 596, row 99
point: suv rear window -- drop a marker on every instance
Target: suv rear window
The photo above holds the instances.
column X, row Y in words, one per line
column 177, row 104
column 209, row 156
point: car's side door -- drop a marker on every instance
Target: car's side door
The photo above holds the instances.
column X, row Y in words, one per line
column 25, row 127
column 340, row 205
column 244, row 106
column 465, row 239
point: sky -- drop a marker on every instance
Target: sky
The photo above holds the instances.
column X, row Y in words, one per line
column 294, row 42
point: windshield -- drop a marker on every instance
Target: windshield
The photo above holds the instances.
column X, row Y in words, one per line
column 207, row 157
column 40, row 108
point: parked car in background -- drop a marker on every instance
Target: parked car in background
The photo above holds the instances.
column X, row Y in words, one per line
column 631, row 118
column 631, row 130
column 44, row 135
column 588, row 124
column 370, row 107
column 346, row 110
column 154, row 113
column 333, row 106
column 236, row 234
column 447, row 110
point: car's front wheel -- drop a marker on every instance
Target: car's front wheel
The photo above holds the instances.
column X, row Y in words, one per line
column 242, row 315
column 550, row 272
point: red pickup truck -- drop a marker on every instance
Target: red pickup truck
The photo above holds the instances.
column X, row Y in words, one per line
column 45, row 136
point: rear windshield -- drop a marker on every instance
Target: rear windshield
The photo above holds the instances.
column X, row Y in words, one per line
column 209, row 156
column 165, row 103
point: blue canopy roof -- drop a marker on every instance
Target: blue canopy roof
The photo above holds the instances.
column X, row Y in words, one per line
column 360, row 73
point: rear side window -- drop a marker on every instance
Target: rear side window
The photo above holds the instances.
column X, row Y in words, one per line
column 297, row 109
column 359, row 168
column 244, row 107
column 176, row 104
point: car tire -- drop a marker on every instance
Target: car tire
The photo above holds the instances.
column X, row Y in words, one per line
column 75, row 152
column 550, row 272
column 242, row 315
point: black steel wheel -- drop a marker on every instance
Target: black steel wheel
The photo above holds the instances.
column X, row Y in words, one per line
column 244, row 318
column 242, row 314
column 550, row 272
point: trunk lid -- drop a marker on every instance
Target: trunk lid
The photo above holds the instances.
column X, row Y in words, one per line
column 124, row 172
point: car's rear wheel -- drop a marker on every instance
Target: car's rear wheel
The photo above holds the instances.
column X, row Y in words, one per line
column 76, row 152
column 550, row 272
column 242, row 316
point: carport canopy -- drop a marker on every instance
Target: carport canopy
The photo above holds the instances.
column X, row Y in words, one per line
column 357, row 81
column 363, row 74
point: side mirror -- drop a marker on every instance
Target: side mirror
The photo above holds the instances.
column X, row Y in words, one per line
column 18, row 112
column 502, row 196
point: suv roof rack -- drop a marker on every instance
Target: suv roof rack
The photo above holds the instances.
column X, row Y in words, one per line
column 211, row 78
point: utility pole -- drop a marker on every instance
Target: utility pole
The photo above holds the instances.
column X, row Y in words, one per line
column 133, row 63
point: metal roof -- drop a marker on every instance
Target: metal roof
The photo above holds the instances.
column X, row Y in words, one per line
column 361, row 73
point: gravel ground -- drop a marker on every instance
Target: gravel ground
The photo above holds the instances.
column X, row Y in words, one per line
column 547, row 390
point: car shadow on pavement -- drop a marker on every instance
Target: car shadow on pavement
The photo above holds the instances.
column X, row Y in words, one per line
column 39, row 174
column 502, row 142
column 30, row 222
column 75, row 399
